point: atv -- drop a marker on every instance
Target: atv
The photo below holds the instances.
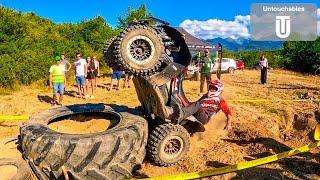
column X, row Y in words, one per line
column 157, row 55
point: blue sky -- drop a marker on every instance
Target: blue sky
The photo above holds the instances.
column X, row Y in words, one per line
column 176, row 12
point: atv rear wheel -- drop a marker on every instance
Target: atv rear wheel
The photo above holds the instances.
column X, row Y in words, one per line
column 139, row 49
column 168, row 144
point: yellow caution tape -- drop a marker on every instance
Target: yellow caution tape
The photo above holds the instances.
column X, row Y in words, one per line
column 316, row 135
column 14, row 117
column 240, row 166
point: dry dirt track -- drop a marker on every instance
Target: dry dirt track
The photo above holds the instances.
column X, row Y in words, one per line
column 259, row 129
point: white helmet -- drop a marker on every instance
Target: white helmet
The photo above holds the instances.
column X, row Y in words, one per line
column 215, row 88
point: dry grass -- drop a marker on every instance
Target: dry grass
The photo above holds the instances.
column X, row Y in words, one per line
column 255, row 119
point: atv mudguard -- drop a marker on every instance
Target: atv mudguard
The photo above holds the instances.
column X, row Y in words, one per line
column 176, row 60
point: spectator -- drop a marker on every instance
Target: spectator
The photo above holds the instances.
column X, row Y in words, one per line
column 90, row 75
column 264, row 69
column 80, row 71
column 56, row 81
column 67, row 66
column 116, row 75
column 96, row 71
column 127, row 78
column 205, row 70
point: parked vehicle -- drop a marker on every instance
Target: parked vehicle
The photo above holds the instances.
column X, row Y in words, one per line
column 258, row 67
column 240, row 64
column 227, row 65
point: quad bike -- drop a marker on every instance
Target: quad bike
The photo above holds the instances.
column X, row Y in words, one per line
column 158, row 56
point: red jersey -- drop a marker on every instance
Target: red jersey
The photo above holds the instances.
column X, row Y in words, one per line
column 212, row 105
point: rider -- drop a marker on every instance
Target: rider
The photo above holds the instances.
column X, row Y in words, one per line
column 207, row 106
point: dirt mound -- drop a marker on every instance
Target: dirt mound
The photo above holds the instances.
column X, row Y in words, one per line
column 7, row 172
column 260, row 128
column 80, row 124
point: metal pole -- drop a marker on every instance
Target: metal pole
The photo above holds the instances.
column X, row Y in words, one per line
column 219, row 60
column 199, row 69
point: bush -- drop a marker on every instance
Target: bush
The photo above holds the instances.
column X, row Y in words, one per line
column 302, row 56
column 29, row 43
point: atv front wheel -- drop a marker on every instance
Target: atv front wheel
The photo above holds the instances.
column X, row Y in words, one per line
column 168, row 144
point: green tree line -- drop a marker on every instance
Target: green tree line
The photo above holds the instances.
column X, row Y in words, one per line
column 300, row 56
column 28, row 43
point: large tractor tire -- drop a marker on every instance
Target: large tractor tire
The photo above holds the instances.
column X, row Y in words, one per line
column 23, row 170
column 139, row 49
column 111, row 154
column 168, row 144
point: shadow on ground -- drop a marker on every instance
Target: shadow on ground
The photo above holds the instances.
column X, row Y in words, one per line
column 70, row 93
column 45, row 99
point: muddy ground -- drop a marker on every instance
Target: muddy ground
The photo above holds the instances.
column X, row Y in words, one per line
column 259, row 129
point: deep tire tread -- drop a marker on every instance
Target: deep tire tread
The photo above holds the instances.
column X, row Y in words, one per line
column 47, row 150
column 156, row 137
column 119, row 59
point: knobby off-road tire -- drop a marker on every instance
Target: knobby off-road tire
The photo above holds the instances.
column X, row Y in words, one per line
column 111, row 154
column 139, row 49
column 168, row 144
column 108, row 54
column 23, row 170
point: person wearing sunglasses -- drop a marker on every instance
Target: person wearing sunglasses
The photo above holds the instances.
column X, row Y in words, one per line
column 206, row 107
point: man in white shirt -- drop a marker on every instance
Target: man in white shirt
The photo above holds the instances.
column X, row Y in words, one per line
column 80, row 71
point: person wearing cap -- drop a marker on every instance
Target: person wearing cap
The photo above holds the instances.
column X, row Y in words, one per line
column 206, row 64
column 57, row 80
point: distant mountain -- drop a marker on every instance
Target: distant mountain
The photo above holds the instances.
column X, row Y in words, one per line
column 242, row 44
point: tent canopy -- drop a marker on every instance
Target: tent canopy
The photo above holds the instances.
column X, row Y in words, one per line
column 194, row 43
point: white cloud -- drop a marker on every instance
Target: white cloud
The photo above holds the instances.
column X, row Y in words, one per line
column 212, row 28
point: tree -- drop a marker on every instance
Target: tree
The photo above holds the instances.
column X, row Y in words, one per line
column 302, row 56
column 28, row 44
column 133, row 14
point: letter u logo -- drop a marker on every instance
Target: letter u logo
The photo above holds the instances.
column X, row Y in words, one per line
column 283, row 26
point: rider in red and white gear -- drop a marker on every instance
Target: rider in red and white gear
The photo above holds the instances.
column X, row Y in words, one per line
column 209, row 104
